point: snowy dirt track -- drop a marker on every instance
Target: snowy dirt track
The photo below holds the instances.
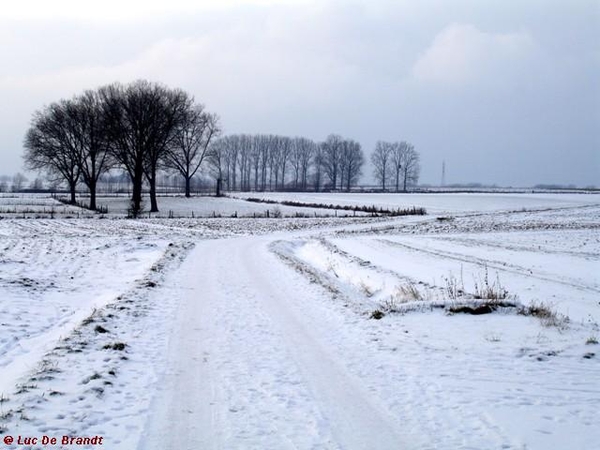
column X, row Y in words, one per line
column 252, row 365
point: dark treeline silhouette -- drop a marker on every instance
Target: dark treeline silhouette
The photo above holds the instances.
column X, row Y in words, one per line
column 141, row 127
column 266, row 162
column 147, row 130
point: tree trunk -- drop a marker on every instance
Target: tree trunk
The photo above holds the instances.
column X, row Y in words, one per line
column 153, row 202
column 151, row 177
column 137, row 194
column 92, row 188
column 92, row 184
column 348, row 181
column 72, row 186
column 187, row 186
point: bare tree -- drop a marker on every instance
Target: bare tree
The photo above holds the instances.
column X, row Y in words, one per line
column 216, row 157
column 17, row 182
column 273, row 161
column 280, row 155
column 172, row 107
column 142, row 119
column 245, row 161
column 255, row 159
column 411, row 167
column 266, row 142
column 88, row 125
column 69, row 139
column 37, row 184
column 318, row 167
column 381, row 160
column 189, row 148
column 397, row 159
column 301, row 156
column 351, row 162
column 52, row 144
column 308, row 150
column 233, row 152
column 405, row 164
column 128, row 124
column 332, row 150
column 284, row 156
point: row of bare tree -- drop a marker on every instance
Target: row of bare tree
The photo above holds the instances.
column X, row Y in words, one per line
column 396, row 164
column 142, row 127
column 269, row 162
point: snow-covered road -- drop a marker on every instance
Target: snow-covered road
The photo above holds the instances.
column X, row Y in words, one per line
column 253, row 363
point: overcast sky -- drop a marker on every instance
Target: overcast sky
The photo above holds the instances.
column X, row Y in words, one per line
column 504, row 92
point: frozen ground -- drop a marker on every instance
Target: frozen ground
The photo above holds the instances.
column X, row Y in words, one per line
column 252, row 334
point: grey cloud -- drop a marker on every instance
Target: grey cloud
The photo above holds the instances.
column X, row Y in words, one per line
column 528, row 95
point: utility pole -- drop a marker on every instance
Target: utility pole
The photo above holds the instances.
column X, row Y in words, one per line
column 443, row 173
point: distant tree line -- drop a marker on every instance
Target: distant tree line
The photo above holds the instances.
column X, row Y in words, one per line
column 16, row 182
column 141, row 127
column 395, row 164
column 266, row 162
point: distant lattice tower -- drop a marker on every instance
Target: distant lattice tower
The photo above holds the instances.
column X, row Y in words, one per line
column 443, row 173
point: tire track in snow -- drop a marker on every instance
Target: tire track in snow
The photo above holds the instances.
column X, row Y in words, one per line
column 494, row 264
column 249, row 370
column 472, row 242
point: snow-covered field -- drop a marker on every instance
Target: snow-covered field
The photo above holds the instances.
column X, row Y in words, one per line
column 211, row 207
column 179, row 206
column 436, row 203
column 37, row 206
column 307, row 333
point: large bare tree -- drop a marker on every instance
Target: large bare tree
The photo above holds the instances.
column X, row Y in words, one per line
column 53, row 146
column 190, row 145
column 142, row 119
column 88, row 122
column 68, row 139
